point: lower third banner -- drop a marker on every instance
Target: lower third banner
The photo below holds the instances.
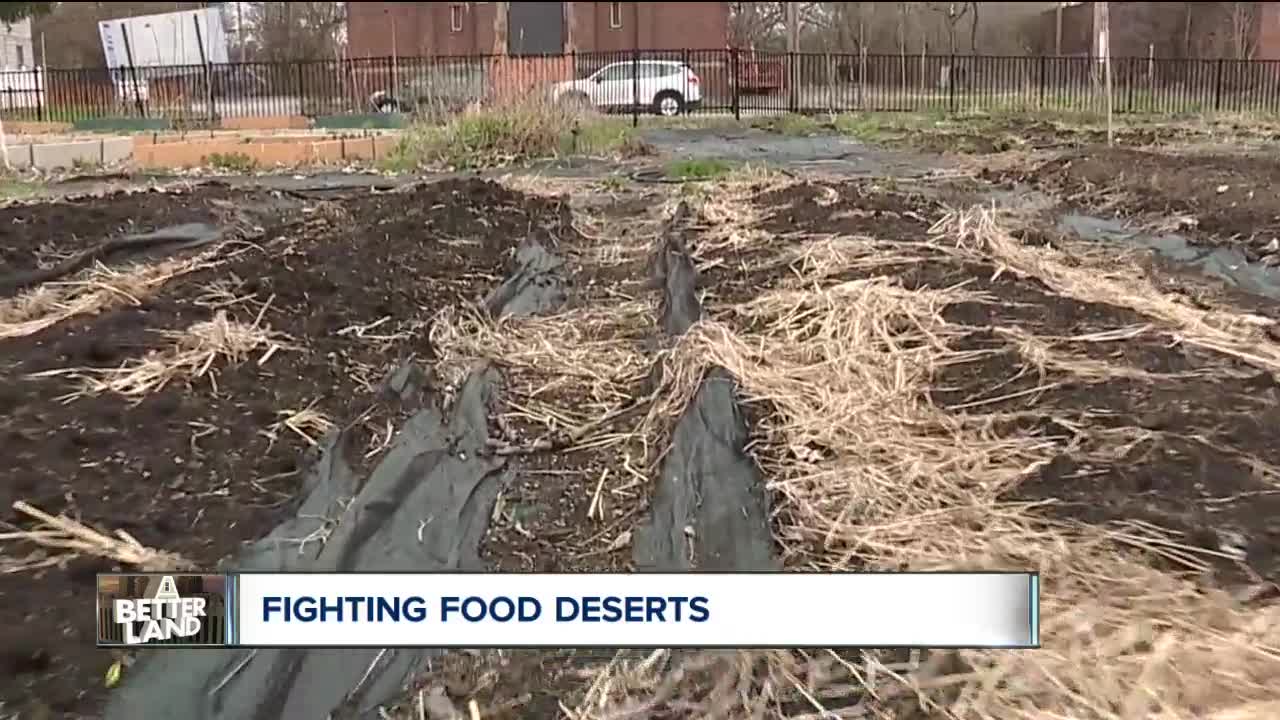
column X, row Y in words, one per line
column 784, row 610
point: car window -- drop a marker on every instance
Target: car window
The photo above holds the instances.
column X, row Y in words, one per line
column 616, row 72
column 652, row 70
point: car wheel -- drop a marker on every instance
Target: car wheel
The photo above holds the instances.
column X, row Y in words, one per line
column 668, row 104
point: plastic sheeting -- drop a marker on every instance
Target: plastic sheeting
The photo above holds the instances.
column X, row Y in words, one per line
column 424, row 507
column 709, row 510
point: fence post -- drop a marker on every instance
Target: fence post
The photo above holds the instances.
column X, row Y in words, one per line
column 684, row 60
column 951, row 84
column 302, row 90
column 1130, row 73
column 38, row 86
column 635, row 87
column 793, row 77
column 733, row 83
column 1217, row 87
column 1044, row 78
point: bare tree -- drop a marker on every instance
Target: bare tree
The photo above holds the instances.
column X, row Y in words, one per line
column 1244, row 29
column 952, row 13
column 280, row 31
column 973, row 27
column 754, row 23
column 904, row 15
column 71, row 29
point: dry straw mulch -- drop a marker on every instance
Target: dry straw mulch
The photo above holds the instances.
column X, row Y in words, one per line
column 868, row 474
column 190, row 354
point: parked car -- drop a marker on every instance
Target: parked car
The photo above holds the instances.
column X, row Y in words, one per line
column 444, row 89
column 666, row 87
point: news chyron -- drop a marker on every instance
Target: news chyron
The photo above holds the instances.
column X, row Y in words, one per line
column 145, row 609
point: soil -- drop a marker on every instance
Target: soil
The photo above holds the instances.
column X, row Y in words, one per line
column 987, row 136
column 38, row 234
column 215, row 469
column 1227, row 198
column 544, row 524
column 1199, row 420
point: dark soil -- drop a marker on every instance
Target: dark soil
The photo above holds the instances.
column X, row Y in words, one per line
column 543, row 525
column 850, row 208
column 198, row 469
column 1230, row 198
column 38, row 234
column 979, row 135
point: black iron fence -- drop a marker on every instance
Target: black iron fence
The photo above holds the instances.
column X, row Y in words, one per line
column 736, row 82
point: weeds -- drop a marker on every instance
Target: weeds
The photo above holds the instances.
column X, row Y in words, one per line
column 698, row 169
column 232, row 162
column 17, row 189
column 504, row 135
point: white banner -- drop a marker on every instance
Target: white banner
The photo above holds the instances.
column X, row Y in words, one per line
column 739, row 610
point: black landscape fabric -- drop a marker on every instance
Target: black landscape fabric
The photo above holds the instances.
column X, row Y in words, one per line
column 425, row 507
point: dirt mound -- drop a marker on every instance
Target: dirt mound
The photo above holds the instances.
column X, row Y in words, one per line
column 350, row 289
column 40, row 234
column 1231, row 198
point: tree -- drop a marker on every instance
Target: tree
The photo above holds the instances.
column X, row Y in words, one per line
column 952, row 13
column 1244, row 29
column 11, row 12
column 752, row 24
column 973, row 28
column 72, row 28
column 280, row 31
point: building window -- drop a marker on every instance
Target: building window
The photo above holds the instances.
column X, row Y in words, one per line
column 22, row 56
column 455, row 18
column 615, row 15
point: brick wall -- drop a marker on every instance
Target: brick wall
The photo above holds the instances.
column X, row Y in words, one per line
column 652, row 26
column 425, row 28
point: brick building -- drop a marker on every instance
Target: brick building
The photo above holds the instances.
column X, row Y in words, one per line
column 383, row 29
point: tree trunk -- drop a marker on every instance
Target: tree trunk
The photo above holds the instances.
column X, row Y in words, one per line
column 973, row 29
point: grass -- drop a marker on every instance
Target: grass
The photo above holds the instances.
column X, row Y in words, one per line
column 232, row 162
column 18, row 189
column 698, row 169
column 505, row 135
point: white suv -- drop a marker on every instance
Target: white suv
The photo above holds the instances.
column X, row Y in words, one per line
column 667, row 87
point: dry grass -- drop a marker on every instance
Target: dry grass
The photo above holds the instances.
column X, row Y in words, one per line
column 1236, row 334
column 74, row 538
column 102, row 288
column 868, row 474
column 191, row 354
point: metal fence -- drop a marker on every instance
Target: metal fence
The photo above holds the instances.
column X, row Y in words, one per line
column 736, row 82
